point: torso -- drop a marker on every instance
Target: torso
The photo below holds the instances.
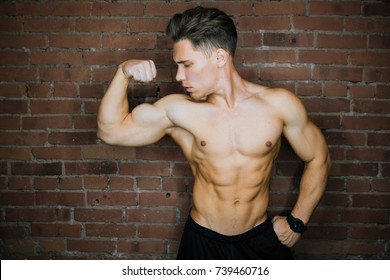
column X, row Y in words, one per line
column 231, row 154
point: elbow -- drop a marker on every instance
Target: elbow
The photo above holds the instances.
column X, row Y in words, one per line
column 105, row 136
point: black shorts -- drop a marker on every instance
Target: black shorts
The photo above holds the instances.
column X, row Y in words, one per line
column 259, row 243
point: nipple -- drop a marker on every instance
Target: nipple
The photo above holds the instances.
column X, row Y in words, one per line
column 268, row 144
column 203, row 143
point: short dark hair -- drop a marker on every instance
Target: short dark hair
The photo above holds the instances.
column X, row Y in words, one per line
column 206, row 28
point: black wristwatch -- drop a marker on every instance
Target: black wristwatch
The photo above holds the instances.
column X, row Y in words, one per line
column 296, row 224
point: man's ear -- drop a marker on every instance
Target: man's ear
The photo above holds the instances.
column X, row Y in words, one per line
column 222, row 57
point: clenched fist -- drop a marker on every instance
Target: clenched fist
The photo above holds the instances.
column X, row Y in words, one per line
column 139, row 70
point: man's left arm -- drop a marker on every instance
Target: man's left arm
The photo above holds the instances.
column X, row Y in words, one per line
column 309, row 144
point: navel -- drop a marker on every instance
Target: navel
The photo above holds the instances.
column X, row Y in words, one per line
column 203, row 143
column 268, row 144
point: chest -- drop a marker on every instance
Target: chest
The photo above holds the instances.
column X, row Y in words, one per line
column 250, row 132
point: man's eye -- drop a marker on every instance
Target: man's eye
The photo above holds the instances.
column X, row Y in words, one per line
column 187, row 65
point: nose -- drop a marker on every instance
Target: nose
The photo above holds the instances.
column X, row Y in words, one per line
column 180, row 76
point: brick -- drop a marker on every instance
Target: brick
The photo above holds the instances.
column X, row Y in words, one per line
column 14, row 58
column 57, row 153
column 65, row 74
column 376, row 9
column 359, row 169
column 139, row 25
column 170, row 198
column 36, row 169
column 379, row 41
column 263, row 23
column 18, row 74
column 110, row 230
column 367, row 25
column 318, row 23
column 126, row 41
column 112, row 198
column 65, row 90
column 376, row 75
column 378, row 139
column 12, row 232
column 371, row 106
column 269, row 56
column 346, row 138
column 92, row 168
column 335, row 8
column 49, row 25
column 55, row 106
column 23, row 41
column 335, row 89
column 157, row 231
column 56, row 230
column 341, row 41
column 52, row 246
column 368, row 154
column 42, row 90
column 74, row 41
column 19, row 246
column 13, row 106
column 279, row 8
column 12, row 90
column 150, row 216
column 98, row 215
column 232, row 8
column 108, row 152
column 38, row 122
column 168, row 9
column 370, row 58
column 338, row 73
column 72, row 138
column 145, row 169
column 17, row 198
column 285, row 73
column 56, row 58
column 160, row 153
column 288, row 39
column 59, row 198
column 362, row 91
column 85, row 122
column 365, row 123
column 101, row 25
column 323, row 57
column 118, row 9
column 15, row 153
column 327, row 105
column 141, row 247
column 90, row 246
column 148, row 183
column 371, row 201
column 19, row 183
column 121, row 183
column 65, row 9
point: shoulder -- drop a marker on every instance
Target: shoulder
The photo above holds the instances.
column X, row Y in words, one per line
column 287, row 105
column 172, row 100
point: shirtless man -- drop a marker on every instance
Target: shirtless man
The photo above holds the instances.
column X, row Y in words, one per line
column 230, row 131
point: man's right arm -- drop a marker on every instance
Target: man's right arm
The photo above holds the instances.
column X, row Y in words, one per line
column 146, row 124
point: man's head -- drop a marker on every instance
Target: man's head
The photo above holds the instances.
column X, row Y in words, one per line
column 206, row 28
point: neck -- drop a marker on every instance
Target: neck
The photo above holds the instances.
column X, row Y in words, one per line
column 230, row 90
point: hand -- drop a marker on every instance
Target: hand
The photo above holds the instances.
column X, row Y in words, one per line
column 282, row 229
column 139, row 70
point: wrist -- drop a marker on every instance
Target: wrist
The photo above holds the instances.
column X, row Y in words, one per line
column 296, row 224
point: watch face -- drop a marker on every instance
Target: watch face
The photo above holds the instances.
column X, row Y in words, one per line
column 297, row 226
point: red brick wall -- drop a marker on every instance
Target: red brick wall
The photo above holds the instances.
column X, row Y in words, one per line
column 64, row 194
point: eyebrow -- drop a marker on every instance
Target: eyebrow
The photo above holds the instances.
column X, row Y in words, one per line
column 182, row 61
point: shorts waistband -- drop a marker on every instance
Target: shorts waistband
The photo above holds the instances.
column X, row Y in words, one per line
column 257, row 230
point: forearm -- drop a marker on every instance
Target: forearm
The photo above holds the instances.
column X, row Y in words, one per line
column 114, row 106
column 312, row 187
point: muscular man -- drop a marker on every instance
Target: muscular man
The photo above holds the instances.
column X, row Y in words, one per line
column 229, row 130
